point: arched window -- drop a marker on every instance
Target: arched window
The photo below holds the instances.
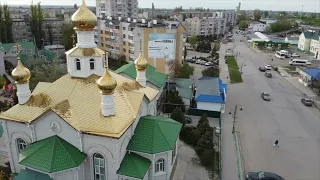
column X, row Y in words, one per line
column 99, row 167
column 91, row 64
column 21, row 144
column 159, row 165
column 78, row 64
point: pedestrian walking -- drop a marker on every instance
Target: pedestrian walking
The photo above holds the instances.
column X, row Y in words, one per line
column 276, row 144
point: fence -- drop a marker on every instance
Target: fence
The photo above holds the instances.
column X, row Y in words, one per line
column 239, row 156
column 199, row 112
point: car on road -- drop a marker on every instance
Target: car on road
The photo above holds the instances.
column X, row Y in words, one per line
column 193, row 61
column 268, row 75
column 262, row 69
column 307, row 102
column 265, row 96
column 295, row 55
column 267, row 67
column 198, row 61
column 187, row 120
column 263, row 176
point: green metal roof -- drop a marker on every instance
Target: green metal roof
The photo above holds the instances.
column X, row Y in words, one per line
column 155, row 134
column 24, row 45
column 153, row 77
column 51, row 155
column 183, row 86
column 134, row 165
column 31, row 175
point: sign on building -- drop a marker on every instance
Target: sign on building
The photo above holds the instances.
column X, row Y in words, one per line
column 161, row 46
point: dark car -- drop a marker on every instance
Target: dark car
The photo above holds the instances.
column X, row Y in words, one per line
column 265, row 96
column 263, row 176
column 262, row 69
column 187, row 120
column 307, row 102
column 268, row 74
column 193, row 60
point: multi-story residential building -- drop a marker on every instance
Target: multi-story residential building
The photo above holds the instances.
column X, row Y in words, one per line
column 229, row 15
column 206, row 26
column 197, row 14
column 159, row 42
column 22, row 31
column 123, row 8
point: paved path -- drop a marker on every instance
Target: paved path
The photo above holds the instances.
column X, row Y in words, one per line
column 260, row 123
column 229, row 162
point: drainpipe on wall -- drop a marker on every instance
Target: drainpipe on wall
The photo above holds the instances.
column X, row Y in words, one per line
column 81, row 142
column 152, row 169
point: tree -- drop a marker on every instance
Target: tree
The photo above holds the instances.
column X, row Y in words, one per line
column 7, row 24
column 257, row 14
column 75, row 6
column 35, row 20
column 202, row 120
column 193, row 41
column 46, row 15
column 2, row 31
column 178, row 9
column 211, row 72
column 50, row 35
column 281, row 25
column 266, row 14
column 185, row 71
column 190, row 15
column 43, row 70
column 242, row 16
column 67, row 33
column 243, row 24
column 184, row 17
column 178, row 115
column 4, row 176
column 172, row 101
column 185, row 52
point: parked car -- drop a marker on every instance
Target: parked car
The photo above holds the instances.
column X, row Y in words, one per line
column 262, row 69
column 198, row 61
column 307, row 102
column 263, row 176
column 193, row 61
column 267, row 67
column 187, row 120
column 265, row 96
column 268, row 75
column 295, row 55
column 208, row 64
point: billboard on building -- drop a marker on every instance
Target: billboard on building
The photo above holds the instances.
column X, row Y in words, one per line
column 161, row 45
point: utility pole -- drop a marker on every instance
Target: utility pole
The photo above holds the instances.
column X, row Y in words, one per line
column 234, row 118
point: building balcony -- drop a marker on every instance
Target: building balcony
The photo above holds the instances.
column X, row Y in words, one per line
column 130, row 33
column 119, row 12
column 113, row 37
column 131, row 56
column 119, row 2
column 131, row 48
column 131, row 41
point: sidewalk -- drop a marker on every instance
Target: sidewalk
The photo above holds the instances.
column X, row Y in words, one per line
column 229, row 161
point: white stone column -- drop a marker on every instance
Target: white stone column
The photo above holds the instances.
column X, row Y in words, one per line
column 141, row 78
column 107, row 104
column 23, row 92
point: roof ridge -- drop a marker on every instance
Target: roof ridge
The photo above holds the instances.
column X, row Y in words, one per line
column 130, row 107
column 53, row 150
column 67, row 152
column 163, row 134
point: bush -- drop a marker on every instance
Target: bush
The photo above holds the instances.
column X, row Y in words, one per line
column 173, row 100
column 206, row 158
column 1, row 81
column 275, row 68
column 211, row 72
column 203, row 119
column 234, row 73
column 187, row 135
column 178, row 115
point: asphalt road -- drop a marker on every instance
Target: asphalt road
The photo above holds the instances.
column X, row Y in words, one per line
column 260, row 123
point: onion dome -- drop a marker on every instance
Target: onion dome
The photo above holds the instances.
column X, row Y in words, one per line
column 106, row 83
column 20, row 74
column 83, row 18
column 141, row 63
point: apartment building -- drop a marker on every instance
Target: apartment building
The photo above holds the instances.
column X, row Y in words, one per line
column 22, row 32
column 158, row 42
column 229, row 15
column 123, row 8
column 206, row 26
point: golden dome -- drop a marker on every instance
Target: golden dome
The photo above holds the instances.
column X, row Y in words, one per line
column 20, row 74
column 141, row 63
column 106, row 83
column 83, row 18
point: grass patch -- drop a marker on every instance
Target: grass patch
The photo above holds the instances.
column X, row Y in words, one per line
column 234, row 73
column 291, row 68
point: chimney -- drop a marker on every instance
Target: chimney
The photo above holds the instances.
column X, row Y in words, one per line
column 21, row 75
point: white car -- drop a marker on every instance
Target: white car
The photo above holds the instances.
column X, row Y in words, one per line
column 198, row 61
column 295, row 55
column 208, row 64
column 267, row 67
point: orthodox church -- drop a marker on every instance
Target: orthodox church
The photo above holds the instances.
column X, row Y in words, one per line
column 91, row 124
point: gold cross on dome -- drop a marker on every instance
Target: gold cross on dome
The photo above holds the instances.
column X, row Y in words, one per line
column 73, row 41
column 18, row 49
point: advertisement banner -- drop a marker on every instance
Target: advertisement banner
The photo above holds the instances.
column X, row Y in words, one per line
column 161, row 46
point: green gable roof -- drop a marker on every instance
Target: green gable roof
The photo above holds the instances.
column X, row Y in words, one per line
column 24, row 45
column 51, row 155
column 153, row 77
column 134, row 165
column 155, row 134
column 183, row 86
column 31, row 175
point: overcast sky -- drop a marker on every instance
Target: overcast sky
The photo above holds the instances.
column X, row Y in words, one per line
column 277, row 5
